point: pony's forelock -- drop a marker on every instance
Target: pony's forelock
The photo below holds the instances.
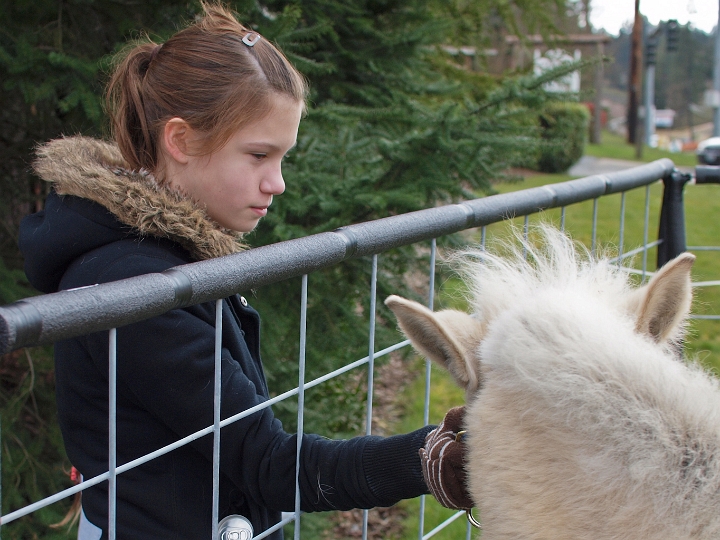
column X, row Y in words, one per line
column 523, row 264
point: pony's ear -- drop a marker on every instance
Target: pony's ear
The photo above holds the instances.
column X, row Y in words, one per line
column 662, row 305
column 449, row 338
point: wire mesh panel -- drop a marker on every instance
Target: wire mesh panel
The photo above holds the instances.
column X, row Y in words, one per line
column 70, row 313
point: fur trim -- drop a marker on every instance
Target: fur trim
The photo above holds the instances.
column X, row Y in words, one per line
column 95, row 170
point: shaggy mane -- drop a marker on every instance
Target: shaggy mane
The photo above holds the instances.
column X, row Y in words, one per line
column 553, row 262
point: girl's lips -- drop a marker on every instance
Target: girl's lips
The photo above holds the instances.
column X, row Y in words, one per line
column 259, row 210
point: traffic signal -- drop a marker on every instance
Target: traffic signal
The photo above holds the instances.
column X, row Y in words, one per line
column 673, row 29
column 650, row 51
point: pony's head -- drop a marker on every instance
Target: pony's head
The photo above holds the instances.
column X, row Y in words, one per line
column 452, row 338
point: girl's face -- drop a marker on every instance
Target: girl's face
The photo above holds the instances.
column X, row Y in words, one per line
column 236, row 183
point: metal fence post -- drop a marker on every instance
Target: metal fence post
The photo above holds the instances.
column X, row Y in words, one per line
column 301, row 399
column 672, row 218
column 112, row 434
column 0, row 479
column 217, row 384
column 371, row 369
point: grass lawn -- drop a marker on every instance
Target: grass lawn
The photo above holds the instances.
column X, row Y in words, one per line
column 701, row 204
column 614, row 146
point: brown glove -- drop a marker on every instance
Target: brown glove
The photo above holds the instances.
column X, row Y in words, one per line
column 443, row 462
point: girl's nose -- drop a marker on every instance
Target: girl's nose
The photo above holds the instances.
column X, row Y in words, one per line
column 273, row 183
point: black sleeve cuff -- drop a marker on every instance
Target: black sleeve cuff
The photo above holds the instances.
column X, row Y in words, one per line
column 392, row 466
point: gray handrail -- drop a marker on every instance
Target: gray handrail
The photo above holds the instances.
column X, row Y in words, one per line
column 44, row 319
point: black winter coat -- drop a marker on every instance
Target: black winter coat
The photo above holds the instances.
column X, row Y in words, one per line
column 165, row 392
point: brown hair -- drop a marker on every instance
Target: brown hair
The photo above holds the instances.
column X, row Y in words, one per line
column 205, row 74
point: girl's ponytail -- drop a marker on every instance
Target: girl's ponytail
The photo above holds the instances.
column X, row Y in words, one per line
column 127, row 105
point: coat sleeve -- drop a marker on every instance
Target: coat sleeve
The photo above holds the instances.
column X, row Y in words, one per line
column 167, row 365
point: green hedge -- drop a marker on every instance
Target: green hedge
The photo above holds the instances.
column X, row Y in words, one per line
column 564, row 127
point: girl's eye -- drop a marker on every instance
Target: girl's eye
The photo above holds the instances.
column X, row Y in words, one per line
column 259, row 157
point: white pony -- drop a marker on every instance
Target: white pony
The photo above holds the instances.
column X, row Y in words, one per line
column 583, row 421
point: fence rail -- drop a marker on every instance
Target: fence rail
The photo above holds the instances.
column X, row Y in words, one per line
column 49, row 318
column 65, row 314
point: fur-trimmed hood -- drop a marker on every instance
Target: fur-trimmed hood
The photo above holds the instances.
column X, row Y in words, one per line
column 95, row 170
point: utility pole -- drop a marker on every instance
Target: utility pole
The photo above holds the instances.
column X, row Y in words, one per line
column 635, row 76
column 650, row 56
column 671, row 29
column 596, row 134
column 597, row 109
column 716, row 78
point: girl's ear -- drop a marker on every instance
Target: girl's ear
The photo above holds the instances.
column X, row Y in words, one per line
column 176, row 136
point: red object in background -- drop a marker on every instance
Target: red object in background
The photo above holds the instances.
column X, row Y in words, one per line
column 603, row 113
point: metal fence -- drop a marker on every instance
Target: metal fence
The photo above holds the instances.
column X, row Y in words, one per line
column 48, row 318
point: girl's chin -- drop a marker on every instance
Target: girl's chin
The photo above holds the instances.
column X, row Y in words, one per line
column 245, row 227
column 243, row 224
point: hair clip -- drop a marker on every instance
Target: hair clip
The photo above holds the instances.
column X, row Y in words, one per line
column 250, row 42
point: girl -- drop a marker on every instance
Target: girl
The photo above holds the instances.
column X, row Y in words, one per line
column 201, row 124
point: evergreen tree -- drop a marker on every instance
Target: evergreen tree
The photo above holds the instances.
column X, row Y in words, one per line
column 394, row 125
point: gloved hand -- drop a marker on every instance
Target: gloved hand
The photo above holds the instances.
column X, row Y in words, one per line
column 443, row 460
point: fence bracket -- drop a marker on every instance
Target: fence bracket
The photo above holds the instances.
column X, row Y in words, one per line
column 672, row 218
